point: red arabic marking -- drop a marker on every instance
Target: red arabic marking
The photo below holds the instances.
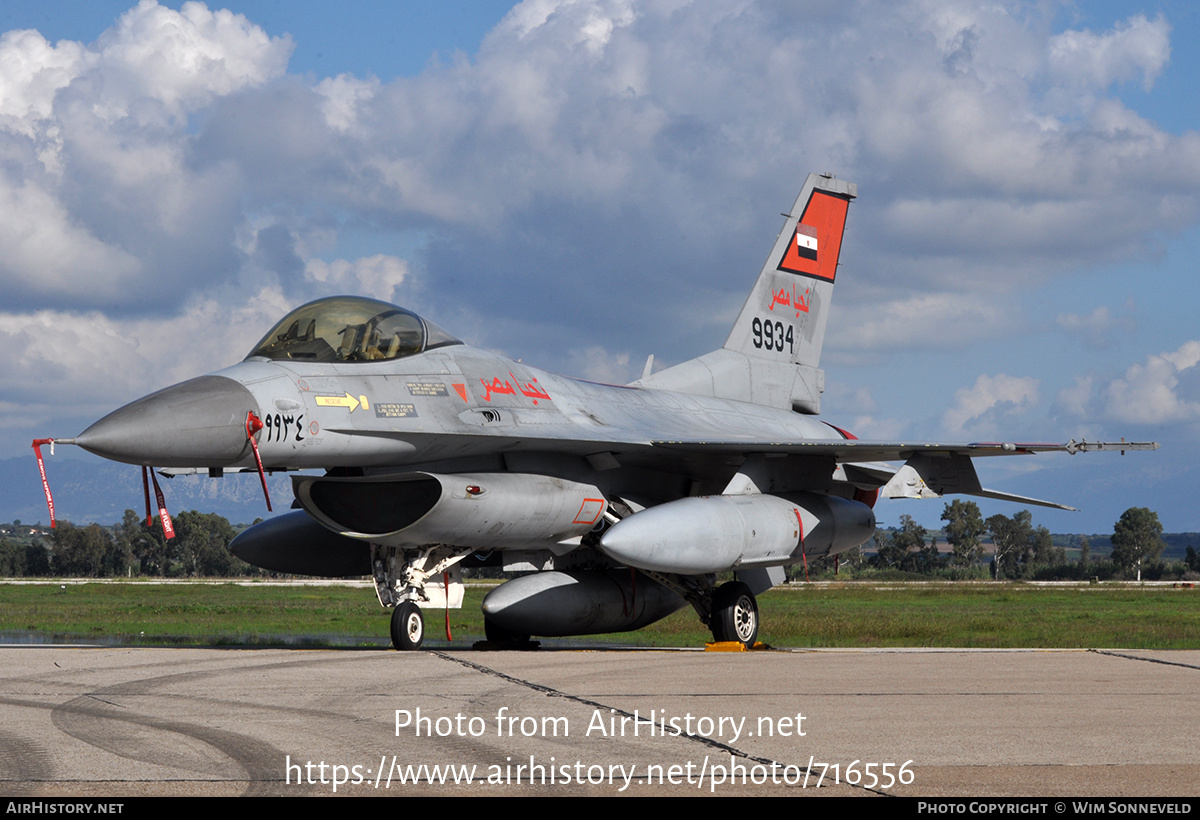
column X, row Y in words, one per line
column 589, row 511
column 531, row 390
column 461, row 389
column 253, row 425
column 793, row 299
column 37, row 451
column 164, row 516
column 496, row 387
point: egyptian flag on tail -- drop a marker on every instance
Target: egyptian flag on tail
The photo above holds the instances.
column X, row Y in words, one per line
column 817, row 240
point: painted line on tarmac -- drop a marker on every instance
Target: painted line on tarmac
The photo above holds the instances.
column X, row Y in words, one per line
column 1140, row 658
column 705, row 741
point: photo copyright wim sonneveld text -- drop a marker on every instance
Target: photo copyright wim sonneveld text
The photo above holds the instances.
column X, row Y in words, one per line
column 713, row 771
column 1140, row 807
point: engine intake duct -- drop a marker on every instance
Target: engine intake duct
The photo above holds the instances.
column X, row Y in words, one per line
column 371, row 507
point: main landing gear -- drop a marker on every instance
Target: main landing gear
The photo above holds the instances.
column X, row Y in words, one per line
column 734, row 614
column 730, row 610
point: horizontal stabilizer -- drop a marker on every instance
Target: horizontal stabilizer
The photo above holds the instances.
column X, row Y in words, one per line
column 1022, row 499
column 932, row 476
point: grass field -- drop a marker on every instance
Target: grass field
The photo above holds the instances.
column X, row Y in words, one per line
column 838, row 615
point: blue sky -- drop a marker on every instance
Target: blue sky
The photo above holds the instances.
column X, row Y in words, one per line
column 386, row 39
column 581, row 184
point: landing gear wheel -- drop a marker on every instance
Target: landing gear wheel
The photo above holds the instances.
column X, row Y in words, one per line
column 734, row 613
column 498, row 634
column 408, row 626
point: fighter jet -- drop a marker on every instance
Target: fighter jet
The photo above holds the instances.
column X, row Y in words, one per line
column 621, row 504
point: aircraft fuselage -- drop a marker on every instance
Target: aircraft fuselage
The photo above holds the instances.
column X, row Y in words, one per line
column 455, row 408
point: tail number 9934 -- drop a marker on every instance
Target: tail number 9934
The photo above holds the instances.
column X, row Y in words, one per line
column 773, row 335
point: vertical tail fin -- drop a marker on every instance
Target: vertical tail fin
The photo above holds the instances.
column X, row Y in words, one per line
column 773, row 353
column 784, row 318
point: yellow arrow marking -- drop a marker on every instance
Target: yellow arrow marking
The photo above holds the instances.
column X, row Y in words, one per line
column 338, row 401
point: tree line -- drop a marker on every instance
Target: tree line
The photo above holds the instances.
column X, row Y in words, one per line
column 200, row 549
column 1020, row 550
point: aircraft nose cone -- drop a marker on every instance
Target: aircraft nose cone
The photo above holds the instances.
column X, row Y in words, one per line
column 197, row 423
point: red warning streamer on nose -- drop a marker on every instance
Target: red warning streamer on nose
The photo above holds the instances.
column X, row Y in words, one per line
column 146, row 493
column 37, row 450
column 446, row 589
column 253, row 425
column 164, row 516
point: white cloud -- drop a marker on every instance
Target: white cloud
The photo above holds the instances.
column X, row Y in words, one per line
column 671, row 119
column 1100, row 328
column 45, row 251
column 921, row 320
column 345, row 95
column 623, row 160
column 182, row 60
column 1149, row 393
column 990, row 397
column 92, row 360
column 1077, row 400
column 596, row 364
column 31, row 73
column 1136, row 47
column 377, row 276
column 106, row 205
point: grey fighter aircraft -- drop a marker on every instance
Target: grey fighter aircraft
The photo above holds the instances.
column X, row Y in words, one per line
column 622, row 503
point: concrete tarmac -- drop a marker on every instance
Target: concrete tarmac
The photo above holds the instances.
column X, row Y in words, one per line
column 128, row 722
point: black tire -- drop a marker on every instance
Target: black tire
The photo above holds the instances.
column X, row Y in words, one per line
column 734, row 613
column 408, row 626
column 498, row 634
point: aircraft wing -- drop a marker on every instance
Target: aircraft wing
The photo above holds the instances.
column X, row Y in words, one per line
column 930, row 469
column 847, row 450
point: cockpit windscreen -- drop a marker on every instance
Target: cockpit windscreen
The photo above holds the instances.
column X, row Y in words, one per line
column 350, row 329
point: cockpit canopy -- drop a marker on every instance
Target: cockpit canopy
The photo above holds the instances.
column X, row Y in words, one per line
column 350, row 329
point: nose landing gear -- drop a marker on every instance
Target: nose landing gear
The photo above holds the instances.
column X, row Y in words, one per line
column 408, row 626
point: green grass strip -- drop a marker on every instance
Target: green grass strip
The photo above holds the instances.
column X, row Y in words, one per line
column 840, row 615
